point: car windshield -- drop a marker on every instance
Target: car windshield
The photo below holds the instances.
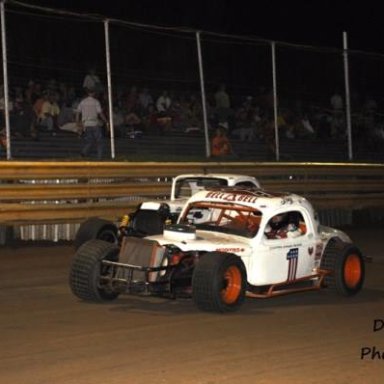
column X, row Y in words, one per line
column 187, row 187
column 223, row 217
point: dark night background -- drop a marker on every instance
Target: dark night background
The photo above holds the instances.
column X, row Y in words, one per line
column 236, row 49
column 302, row 22
column 64, row 47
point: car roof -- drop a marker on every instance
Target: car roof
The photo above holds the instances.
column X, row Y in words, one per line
column 214, row 175
column 260, row 199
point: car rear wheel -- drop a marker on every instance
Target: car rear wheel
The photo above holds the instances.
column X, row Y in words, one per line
column 346, row 268
column 219, row 282
column 87, row 271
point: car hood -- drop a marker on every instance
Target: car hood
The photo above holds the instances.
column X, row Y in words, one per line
column 207, row 241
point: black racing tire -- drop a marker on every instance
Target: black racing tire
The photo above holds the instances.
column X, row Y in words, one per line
column 96, row 228
column 219, row 282
column 346, row 265
column 86, row 270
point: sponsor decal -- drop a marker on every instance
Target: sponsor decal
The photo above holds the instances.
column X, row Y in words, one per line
column 284, row 246
column 231, row 197
column 292, row 257
column 234, row 250
column 310, row 251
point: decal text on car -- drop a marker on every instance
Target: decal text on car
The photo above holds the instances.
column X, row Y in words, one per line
column 233, row 197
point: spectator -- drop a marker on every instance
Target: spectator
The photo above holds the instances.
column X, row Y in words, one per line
column 131, row 101
column 336, row 101
column 52, row 86
column 47, row 112
column 286, row 123
column 67, row 120
column 132, row 125
column 32, row 92
column 247, row 121
column 21, row 118
column 221, row 145
column 88, row 114
column 163, row 106
column 323, row 122
column 194, row 114
column 92, row 81
column 306, row 124
column 118, row 121
column 338, row 121
column 149, row 120
column 222, row 104
column 144, row 101
column 163, row 103
column 266, row 100
column 178, row 113
column 63, row 91
column 369, row 117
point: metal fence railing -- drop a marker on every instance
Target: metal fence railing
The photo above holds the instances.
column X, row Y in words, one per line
column 63, row 191
column 48, row 200
column 157, row 82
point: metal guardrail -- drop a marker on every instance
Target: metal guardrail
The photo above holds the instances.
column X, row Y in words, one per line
column 60, row 192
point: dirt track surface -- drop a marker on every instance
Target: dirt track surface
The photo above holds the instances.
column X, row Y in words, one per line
column 50, row 337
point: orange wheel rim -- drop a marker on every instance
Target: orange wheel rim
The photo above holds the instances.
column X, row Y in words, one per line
column 352, row 271
column 232, row 285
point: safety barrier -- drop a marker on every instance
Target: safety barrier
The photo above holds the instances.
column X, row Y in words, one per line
column 54, row 192
column 59, row 191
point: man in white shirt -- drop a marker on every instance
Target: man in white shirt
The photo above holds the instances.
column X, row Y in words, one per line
column 88, row 116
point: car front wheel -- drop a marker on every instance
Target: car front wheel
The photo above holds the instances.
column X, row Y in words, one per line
column 88, row 275
column 219, row 282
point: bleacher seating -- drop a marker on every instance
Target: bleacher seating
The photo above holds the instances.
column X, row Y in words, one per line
column 180, row 147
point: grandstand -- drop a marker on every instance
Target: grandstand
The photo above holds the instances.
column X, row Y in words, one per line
column 182, row 147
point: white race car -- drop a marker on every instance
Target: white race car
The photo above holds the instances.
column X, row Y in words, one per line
column 227, row 244
column 150, row 216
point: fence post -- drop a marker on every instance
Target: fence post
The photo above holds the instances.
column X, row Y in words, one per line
column 347, row 96
column 110, row 105
column 275, row 101
column 203, row 99
column 5, row 75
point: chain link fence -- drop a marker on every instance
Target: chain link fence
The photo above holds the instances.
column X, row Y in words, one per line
column 169, row 93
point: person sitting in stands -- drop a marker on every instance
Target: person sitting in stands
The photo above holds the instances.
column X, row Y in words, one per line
column 221, row 145
column 163, row 106
column 67, row 119
column 145, row 99
column 132, row 125
column 48, row 112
